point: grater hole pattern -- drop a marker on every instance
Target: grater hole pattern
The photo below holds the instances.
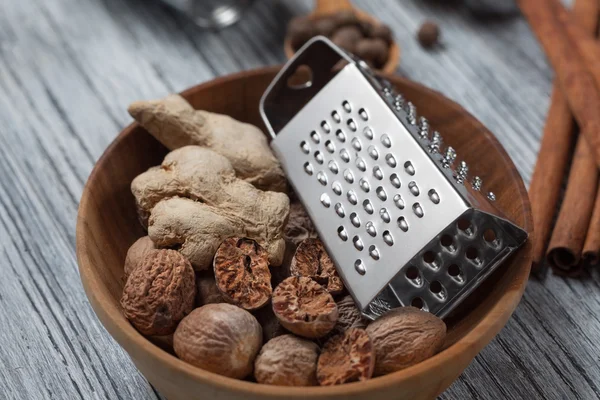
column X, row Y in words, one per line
column 430, row 259
column 489, row 236
column 447, row 242
column 418, row 302
column 435, row 287
column 364, row 160
column 464, row 225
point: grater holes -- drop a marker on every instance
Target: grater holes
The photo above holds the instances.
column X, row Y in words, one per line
column 399, row 201
column 388, row 238
column 368, row 132
column 473, row 255
column 358, row 243
column 322, row 178
column 352, row 198
column 356, row 144
column 412, row 272
column 319, row 157
column 329, row 146
column 346, row 105
column 490, row 238
column 339, row 210
column 395, row 181
column 359, row 266
column 430, row 260
column 418, row 210
column 361, row 165
column 351, row 124
column 342, row 233
column 333, row 167
column 373, row 252
column 464, row 225
column 434, row 196
column 315, row 137
column 325, row 126
column 363, row 114
column 368, row 206
column 418, row 302
column 414, row 188
column 409, row 168
column 337, row 188
column 364, row 185
column 402, row 224
column 349, row 176
column 377, row 173
column 385, row 216
column 308, row 168
column 386, row 141
column 340, row 135
column 344, row 155
column 325, row 200
column 355, row 220
column 380, row 191
column 456, row 274
column 336, row 117
column 391, row 160
column 372, row 150
column 454, row 270
column 448, row 242
column 437, row 289
column 304, row 147
column 370, row 227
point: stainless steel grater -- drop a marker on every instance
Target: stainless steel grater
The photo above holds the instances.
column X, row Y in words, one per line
column 402, row 221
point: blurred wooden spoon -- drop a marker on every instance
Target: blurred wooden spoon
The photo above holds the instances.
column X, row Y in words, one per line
column 328, row 7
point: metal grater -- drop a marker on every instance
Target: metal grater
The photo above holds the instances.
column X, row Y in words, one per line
column 400, row 218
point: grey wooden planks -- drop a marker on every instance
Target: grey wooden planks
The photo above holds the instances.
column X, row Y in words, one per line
column 68, row 69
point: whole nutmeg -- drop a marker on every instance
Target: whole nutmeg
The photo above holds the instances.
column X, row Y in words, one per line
column 207, row 291
column 304, row 307
column 159, row 292
column 429, row 34
column 403, row 337
column 311, row 260
column 299, row 31
column 344, row 18
column 346, row 37
column 242, row 273
column 136, row 253
column 324, row 26
column 287, row 360
column 348, row 357
column 219, row 338
column 374, row 50
column 381, row 31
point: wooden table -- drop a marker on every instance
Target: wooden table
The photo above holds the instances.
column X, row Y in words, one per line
column 68, row 70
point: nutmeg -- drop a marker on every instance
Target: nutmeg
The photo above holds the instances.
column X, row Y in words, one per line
column 344, row 18
column 159, row 292
column 324, row 26
column 287, row 361
column 381, row 31
column 311, row 260
column 207, row 291
column 429, row 34
column 348, row 357
column 219, row 338
column 347, row 37
column 403, row 337
column 136, row 253
column 374, row 50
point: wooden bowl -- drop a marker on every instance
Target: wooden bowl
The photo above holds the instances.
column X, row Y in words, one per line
column 107, row 225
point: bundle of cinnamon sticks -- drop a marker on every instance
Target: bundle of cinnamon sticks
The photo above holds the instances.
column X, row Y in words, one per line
column 570, row 42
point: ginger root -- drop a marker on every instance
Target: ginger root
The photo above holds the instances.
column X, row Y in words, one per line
column 194, row 201
column 175, row 123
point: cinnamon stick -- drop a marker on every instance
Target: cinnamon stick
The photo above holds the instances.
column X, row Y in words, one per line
column 591, row 246
column 553, row 156
column 575, row 81
column 574, row 218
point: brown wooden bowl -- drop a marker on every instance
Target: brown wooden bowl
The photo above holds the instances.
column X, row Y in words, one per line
column 328, row 7
column 107, row 225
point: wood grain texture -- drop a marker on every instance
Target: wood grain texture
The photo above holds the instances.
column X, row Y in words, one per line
column 107, row 225
column 69, row 68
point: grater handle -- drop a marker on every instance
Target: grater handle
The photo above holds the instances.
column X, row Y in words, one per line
column 283, row 100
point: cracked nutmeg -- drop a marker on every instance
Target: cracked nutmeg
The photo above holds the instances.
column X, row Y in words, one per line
column 348, row 357
column 242, row 273
column 159, row 292
column 403, row 337
column 311, row 260
column 304, row 307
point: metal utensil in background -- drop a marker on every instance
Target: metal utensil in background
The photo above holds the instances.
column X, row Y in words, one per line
column 212, row 14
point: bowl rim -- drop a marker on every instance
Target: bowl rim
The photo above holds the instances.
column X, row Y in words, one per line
column 135, row 343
